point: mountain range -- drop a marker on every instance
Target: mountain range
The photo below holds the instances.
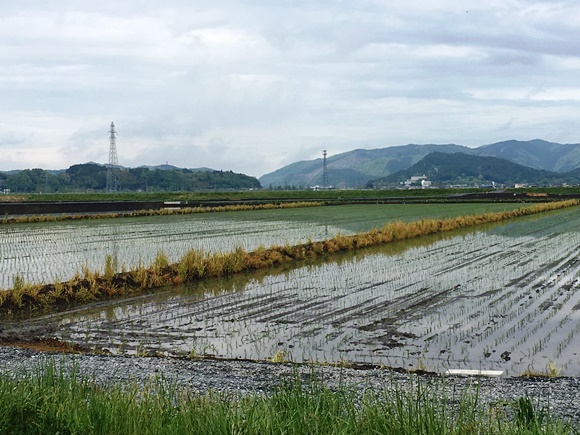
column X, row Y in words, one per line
column 359, row 167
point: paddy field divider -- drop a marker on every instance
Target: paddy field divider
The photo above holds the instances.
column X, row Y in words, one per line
column 89, row 285
column 27, row 219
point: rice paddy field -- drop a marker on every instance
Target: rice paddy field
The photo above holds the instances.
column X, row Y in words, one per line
column 50, row 251
column 502, row 296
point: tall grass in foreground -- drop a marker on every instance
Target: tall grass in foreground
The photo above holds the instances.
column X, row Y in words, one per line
column 196, row 265
column 53, row 400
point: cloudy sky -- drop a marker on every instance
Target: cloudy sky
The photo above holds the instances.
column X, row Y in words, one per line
column 253, row 85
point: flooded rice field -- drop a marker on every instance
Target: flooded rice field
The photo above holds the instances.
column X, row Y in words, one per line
column 47, row 252
column 503, row 297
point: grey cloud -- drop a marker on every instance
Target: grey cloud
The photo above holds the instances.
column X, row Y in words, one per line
column 249, row 77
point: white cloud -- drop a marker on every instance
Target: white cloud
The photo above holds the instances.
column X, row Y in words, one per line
column 250, row 86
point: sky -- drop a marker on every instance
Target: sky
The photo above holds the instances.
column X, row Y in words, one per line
column 251, row 86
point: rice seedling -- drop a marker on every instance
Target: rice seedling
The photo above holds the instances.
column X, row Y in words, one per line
column 434, row 290
column 437, row 304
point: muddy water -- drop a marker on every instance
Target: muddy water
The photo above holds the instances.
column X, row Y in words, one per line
column 504, row 297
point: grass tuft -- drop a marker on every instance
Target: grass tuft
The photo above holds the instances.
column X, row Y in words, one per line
column 53, row 399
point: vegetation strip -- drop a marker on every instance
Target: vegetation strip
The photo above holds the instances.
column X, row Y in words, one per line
column 160, row 212
column 196, row 265
column 53, row 399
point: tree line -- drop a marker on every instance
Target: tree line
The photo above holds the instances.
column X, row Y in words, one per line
column 93, row 177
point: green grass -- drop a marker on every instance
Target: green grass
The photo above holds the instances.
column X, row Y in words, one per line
column 238, row 195
column 52, row 400
column 270, row 194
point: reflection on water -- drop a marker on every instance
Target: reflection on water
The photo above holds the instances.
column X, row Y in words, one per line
column 47, row 252
column 504, row 297
column 499, row 297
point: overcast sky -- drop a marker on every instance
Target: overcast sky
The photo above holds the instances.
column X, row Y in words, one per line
column 251, row 86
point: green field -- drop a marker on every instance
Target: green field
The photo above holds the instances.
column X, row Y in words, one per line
column 236, row 195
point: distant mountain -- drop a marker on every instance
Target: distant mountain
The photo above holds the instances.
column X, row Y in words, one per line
column 171, row 168
column 536, row 153
column 461, row 168
column 355, row 168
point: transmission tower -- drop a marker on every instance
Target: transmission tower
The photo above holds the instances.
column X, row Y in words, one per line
column 324, row 171
column 112, row 179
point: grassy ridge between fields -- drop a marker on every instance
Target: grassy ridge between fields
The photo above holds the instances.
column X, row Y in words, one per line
column 195, row 265
column 53, row 400
column 161, row 212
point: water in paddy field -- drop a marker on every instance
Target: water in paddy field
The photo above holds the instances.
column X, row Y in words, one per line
column 503, row 297
column 47, row 252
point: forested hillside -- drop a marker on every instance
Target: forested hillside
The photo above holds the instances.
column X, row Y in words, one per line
column 466, row 169
column 93, row 177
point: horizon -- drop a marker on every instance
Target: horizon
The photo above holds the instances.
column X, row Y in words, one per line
column 260, row 176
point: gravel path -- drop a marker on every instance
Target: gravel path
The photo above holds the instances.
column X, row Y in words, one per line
column 561, row 395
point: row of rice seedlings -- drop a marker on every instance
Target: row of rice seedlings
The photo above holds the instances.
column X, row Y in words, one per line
column 520, row 319
column 511, row 325
column 254, row 336
column 42, row 252
column 340, row 295
column 462, row 312
column 196, row 265
column 250, row 340
column 160, row 212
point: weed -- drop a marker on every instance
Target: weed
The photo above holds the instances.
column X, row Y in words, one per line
column 527, row 416
column 17, row 290
column 280, row 356
column 110, row 267
column 551, row 371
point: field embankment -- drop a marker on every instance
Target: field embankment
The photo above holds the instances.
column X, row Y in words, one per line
column 102, row 211
column 85, row 205
column 195, row 265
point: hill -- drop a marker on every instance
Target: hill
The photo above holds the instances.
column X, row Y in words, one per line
column 460, row 168
column 537, row 153
column 355, row 168
column 93, row 176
